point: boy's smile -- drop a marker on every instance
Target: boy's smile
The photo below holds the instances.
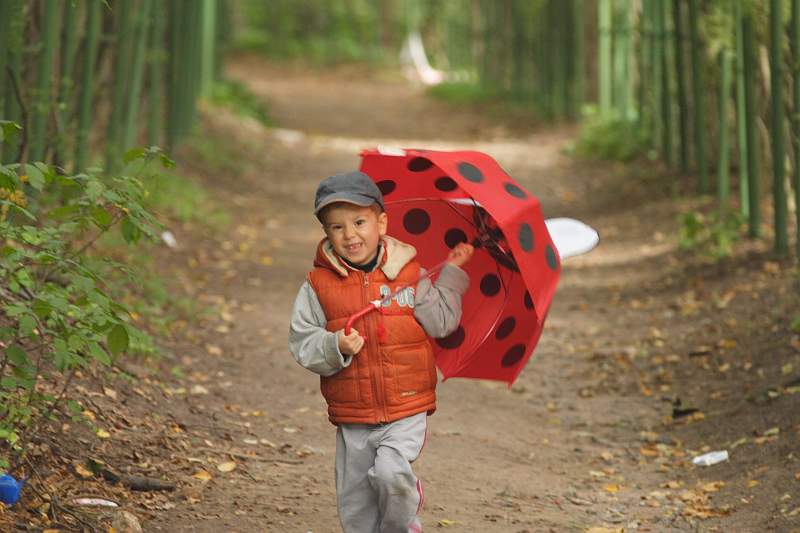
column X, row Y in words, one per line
column 354, row 231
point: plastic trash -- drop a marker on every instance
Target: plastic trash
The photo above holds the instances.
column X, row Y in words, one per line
column 169, row 239
column 10, row 489
column 711, row 458
column 102, row 502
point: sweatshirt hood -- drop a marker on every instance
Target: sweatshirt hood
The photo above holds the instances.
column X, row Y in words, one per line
column 394, row 255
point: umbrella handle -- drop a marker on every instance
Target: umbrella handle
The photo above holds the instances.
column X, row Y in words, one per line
column 348, row 326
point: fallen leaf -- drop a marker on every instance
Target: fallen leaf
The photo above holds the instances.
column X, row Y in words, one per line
column 83, row 471
column 612, row 488
column 202, row 475
column 752, row 483
column 444, row 522
column 605, row 530
column 226, row 467
column 714, row 486
column 103, row 434
column 213, row 349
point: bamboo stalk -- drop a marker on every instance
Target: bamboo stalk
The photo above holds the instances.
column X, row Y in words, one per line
column 621, row 48
column 750, row 71
column 85, row 103
column 781, row 244
column 741, row 119
column 683, row 106
column 132, row 122
column 579, row 47
column 155, row 68
column 41, row 108
column 795, row 36
column 67, row 78
column 666, row 111
column 208, row 39
column 123, row 18
column 697, row 98
column 11, row 107
column 723, row 169
column 604, row 9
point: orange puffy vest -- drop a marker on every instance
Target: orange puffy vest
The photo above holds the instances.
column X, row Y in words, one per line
column 394, row 375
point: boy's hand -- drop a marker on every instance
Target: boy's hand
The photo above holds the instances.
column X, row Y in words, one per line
column 460, row 254
column 350, row 344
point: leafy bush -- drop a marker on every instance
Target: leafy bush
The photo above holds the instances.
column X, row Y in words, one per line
column 237, row 97
column 611, row 137
column 713, row 234
column 58, row 313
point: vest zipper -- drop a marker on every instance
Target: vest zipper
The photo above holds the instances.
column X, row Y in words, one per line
column 376, row 368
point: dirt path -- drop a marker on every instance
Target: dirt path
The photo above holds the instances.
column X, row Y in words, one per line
column 580, row 440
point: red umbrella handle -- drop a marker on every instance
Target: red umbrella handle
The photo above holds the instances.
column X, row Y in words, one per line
column 355, row 316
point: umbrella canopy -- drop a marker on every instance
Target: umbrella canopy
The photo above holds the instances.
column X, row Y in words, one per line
column 437, row 199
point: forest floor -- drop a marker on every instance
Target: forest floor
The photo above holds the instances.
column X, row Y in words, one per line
column 652, row 354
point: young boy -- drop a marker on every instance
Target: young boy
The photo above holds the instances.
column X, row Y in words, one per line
column 379, row 381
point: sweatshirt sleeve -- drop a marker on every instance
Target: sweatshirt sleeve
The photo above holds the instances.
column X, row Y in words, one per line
column 314, row 347
column 438, row 305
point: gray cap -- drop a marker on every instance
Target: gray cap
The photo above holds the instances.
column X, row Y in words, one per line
column 352, row 187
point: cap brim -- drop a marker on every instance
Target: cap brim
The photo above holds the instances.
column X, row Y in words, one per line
column 350, row 198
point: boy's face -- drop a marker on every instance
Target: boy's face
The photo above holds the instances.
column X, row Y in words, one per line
column 354, row 231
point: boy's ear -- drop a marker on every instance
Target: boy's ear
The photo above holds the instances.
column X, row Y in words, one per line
column 383, row 222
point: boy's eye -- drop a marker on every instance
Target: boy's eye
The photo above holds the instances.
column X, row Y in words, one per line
column 360, row 222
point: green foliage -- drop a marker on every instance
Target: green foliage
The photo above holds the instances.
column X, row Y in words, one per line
column 612, row 137
column 462, row 93
column 796, row 324
column 234, row 95
column 59, row 311
column 713, row 235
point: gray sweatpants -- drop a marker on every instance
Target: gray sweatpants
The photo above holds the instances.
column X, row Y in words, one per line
column 376, row 490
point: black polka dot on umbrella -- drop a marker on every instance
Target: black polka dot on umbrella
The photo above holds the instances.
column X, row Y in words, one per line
column 470, row 172
column 514, row 190
column 386, row 186
column 528, row 301
column 452, row 341
column 419, row 164
column 454, row 236
column 525, row 237
column 513, row 355
column 416, row 221
column 552, row 258
column 445, row 184
column 505, row 328
column 490, row 285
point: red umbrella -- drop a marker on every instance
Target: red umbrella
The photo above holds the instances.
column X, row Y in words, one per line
column 436, row 200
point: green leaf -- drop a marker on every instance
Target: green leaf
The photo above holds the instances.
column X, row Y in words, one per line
column 133, row 155
column 99, row 354
column 17, row 355
column 26, row 325
column 35, row 177
column 130, row 232
column 118, row 339
column 101, row 217
column 8, row 383
column 8, row 130
column 41, row 308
